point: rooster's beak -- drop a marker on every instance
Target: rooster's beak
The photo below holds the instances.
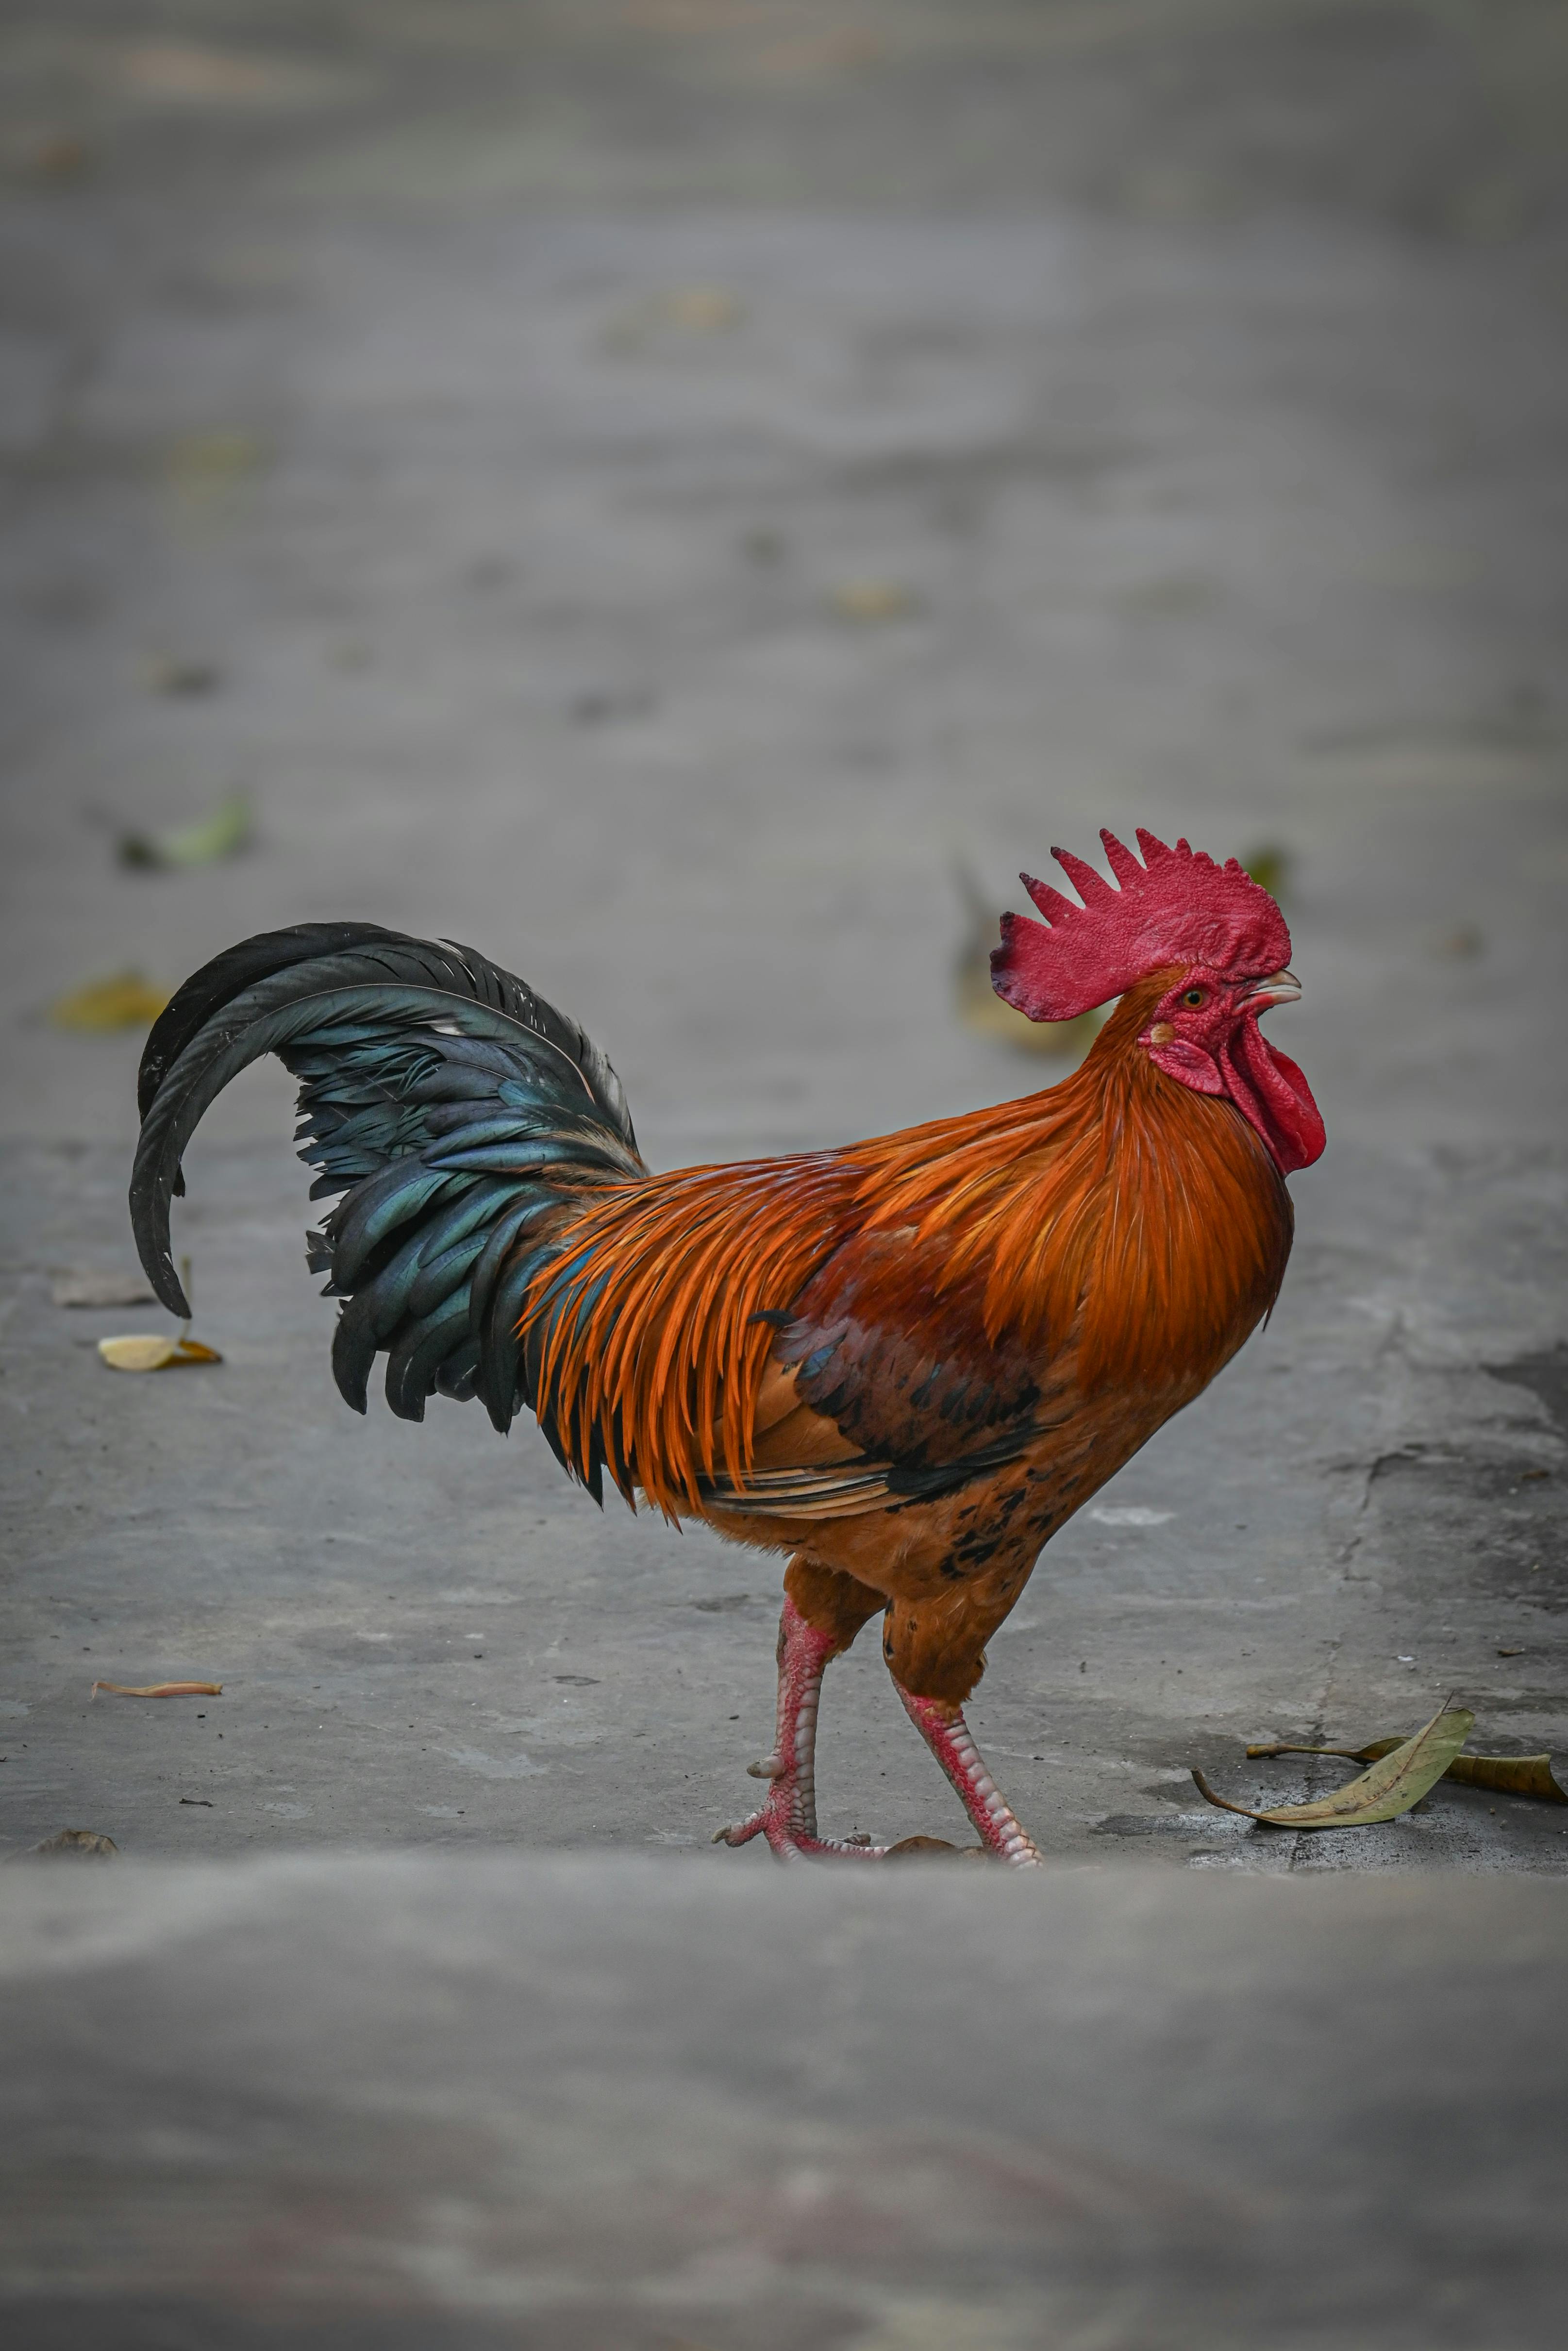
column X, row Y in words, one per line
column 1279, row 987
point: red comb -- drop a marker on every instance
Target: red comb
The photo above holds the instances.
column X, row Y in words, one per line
column 1178, row 907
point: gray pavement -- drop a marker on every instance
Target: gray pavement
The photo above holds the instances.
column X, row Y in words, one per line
column 376, row 2103
column 456, row 428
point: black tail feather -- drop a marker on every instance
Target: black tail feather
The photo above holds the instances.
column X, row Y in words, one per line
column 454, row 1109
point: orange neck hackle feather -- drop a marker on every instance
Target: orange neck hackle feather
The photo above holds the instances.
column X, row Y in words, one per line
column 1118, row 1212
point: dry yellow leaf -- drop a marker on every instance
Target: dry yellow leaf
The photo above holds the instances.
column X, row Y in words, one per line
column 127, row 1000
column 873, row 599
column 1398, row 1779
column 1507, row 1775
column 144, row 1352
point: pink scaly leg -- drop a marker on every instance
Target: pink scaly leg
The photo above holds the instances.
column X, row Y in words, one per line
column 787, row 1818
column 945, row 1732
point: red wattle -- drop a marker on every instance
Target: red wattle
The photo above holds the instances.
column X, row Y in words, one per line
column 1273, row 1096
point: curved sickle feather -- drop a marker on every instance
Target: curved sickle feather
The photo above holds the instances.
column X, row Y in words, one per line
column 254, row 1024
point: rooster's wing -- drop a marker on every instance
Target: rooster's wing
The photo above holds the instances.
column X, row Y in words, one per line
column 884, row 1391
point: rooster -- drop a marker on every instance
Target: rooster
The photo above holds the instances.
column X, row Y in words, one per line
column 906, row 1363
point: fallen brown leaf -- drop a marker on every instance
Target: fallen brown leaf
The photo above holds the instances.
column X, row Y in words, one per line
column 930, row 1848
column 1507, row 1775
column 1398, row 1779
column 76, row 1844
column 161, row 1689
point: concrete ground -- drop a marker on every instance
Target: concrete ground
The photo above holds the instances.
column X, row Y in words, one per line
column 409, row 2103
column 658, row 491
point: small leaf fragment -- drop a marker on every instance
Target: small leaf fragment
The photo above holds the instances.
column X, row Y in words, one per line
column 144, row 1352
column 177, row 673
column 1268, row 862
column 128, row 1000
column 683, row 309
column 1389, row 1787
column 223, row 832
column 873, row 599
column 210, row 472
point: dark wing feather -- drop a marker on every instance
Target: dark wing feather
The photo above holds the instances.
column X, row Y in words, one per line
column 907, row 1375
column 904, row 1369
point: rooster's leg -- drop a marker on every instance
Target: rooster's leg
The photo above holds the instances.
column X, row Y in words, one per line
column 787, row 1816
column 945, row 1732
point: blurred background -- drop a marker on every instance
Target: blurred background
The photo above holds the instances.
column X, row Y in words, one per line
column 690, row 495
column 674, row 490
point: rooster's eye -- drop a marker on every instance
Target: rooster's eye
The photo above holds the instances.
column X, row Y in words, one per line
column 1193, row 996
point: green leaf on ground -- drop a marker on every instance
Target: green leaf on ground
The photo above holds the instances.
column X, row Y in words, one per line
column 223, row 832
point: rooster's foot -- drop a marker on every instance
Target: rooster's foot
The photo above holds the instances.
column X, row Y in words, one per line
column 787, row 1817
column 780, row 1822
